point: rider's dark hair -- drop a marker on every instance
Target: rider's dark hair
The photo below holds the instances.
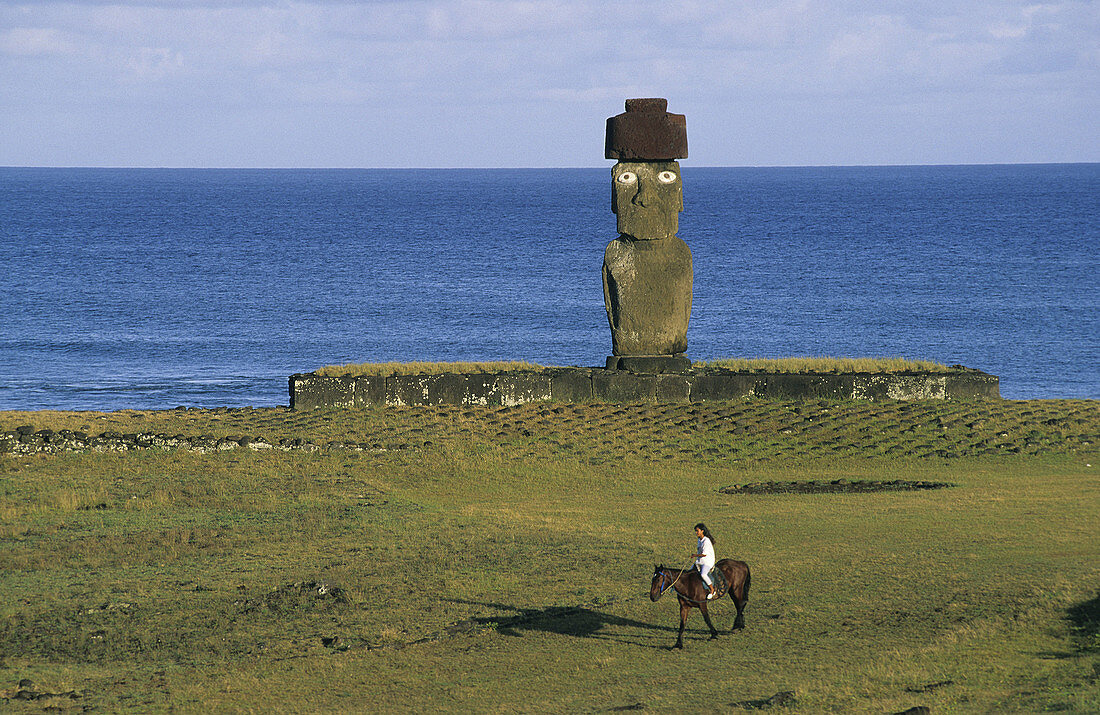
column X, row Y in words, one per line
column 706, row 531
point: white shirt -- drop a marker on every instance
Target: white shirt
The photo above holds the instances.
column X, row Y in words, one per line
column 706, row 548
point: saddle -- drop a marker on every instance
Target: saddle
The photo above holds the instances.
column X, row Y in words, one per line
column 721, row 585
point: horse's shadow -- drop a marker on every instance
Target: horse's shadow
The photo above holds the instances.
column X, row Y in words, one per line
column 1084, row 619
column 574, row 621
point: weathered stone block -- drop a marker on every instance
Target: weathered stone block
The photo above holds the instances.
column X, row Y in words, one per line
column 507, row 389
column 723, row 386
column 673, row 388
column 649, row 364
column 482, row 389
column 624, row 387
column 369, row 390
column 831, row 387
column 312, row 391
column 447, row 389
column 525, row 387
column 973, row 384
column 409, row 389
column 571, row 385
column 783, row 386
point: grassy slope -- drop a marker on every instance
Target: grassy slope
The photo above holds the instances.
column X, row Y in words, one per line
column 496, row 559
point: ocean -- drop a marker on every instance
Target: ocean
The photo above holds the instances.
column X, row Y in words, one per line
column 156, row 288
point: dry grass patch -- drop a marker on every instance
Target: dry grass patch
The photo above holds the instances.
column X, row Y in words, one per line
column 827, row 365
column 424, row 368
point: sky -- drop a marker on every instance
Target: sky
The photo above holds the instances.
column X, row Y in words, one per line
column 529, row 83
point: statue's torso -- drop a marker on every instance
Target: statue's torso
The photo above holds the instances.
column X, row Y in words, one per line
column 647, row 293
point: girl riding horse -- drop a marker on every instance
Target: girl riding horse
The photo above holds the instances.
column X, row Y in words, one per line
column 693, row 592
column 704, row 556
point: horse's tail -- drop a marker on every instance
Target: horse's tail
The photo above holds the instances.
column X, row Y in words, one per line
column 748, row 582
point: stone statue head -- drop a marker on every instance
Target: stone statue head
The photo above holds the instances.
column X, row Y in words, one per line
column 647, row 198
column 646, row 192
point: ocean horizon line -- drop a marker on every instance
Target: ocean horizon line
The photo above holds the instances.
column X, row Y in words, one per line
column 540, row 168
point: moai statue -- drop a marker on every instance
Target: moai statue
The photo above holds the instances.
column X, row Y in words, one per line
column 647, row 274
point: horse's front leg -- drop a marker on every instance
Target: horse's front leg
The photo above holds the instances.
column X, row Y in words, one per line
column 706, row 617
column 685, row 609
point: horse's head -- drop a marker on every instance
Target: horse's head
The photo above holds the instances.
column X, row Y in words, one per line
column 661, row 582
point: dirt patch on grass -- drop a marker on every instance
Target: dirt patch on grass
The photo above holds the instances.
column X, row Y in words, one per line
column 836, row 486
column 299, row 596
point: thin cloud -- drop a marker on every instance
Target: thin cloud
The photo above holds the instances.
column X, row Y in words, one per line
column 32, row 41
column 782, row 71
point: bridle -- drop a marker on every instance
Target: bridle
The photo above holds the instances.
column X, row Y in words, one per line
column 663, row 570
column 664, row 575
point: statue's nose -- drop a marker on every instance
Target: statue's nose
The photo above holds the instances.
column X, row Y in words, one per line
column 645, row 195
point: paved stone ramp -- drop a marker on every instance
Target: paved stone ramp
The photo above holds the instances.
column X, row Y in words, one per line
column 720, row 432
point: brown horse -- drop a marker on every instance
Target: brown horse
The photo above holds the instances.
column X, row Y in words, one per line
column 692, row 592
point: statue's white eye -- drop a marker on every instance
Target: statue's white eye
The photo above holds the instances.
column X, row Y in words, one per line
column 666, row 177
column 627, row 177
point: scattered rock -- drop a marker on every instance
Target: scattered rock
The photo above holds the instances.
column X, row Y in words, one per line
column 781, row 699
column 26, row 690
column 25, row 440
column 930, row 687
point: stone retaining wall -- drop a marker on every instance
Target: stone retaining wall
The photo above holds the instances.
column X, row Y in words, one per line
column 576, row 384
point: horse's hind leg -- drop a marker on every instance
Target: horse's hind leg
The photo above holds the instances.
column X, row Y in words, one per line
column 740, row 597
column 739, row 622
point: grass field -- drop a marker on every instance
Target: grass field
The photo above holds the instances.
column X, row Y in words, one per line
column 498, row 559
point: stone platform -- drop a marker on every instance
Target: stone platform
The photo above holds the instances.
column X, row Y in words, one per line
column 581, row 384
